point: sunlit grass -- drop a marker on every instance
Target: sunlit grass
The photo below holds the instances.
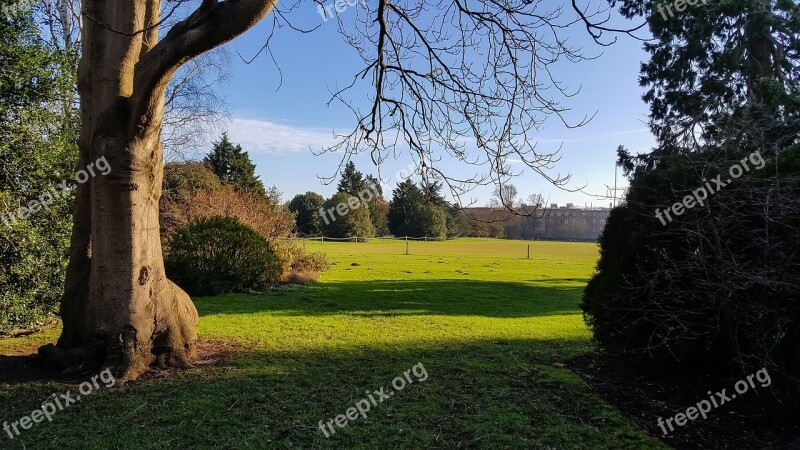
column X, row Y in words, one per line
column 490, row 326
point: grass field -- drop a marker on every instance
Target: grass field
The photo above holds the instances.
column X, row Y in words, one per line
column 491, row 328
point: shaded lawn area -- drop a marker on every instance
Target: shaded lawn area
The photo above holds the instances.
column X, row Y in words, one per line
column 491, row 328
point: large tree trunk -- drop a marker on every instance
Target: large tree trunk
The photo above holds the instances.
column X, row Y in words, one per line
column 119, row 309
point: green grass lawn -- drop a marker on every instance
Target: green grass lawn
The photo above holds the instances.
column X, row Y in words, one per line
column 490, row 327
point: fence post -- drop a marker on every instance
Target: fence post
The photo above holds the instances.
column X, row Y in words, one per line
column 406, row 245
column 529, row 251
column 323, row 239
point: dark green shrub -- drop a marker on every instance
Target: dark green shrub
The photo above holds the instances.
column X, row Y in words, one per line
column 714, row 290
column 219, row 255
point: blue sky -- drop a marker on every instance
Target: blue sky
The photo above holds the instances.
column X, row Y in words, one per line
column 280, row 117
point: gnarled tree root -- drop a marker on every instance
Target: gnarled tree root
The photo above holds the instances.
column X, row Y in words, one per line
column 162, row 335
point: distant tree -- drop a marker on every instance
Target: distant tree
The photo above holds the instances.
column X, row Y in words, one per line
column 530, row 226
column 405, row 199
column 378, row 206
column 428, row 220
column 352, row 181
column 432, row 193
column 535, row 200
column 306, row 210
column 458, row 222
column 374, row 185
column 234, row 167
column 496, row 230
column 355, row 222
column 505, row 195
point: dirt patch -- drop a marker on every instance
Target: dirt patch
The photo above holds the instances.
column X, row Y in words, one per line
column 644, row 396
column 25, row 365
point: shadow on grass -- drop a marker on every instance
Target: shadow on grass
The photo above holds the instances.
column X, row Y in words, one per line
column 398, row 298
column 488, row 393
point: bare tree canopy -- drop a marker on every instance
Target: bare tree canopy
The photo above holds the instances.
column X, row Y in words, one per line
column 463, row 81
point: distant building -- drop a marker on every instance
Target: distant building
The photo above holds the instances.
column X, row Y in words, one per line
column 566, row 223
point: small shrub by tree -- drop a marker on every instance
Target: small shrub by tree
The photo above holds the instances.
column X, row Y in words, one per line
column 219, row 255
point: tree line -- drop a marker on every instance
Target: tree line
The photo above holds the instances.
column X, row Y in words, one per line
column 414, row 210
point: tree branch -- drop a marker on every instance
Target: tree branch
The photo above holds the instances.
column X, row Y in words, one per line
column 211, row 25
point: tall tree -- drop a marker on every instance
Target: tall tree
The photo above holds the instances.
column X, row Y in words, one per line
column 346, row 217
column 405, row 200
column 435, row 80
column 721, row 72
column 234, row 167
column 352, row 181
column 378, row 206
column 432, row 193
column 706, row 240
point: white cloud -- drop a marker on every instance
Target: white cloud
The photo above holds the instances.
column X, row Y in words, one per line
column 262, row 136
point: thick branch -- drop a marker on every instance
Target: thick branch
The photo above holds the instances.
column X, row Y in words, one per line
column 211, row 25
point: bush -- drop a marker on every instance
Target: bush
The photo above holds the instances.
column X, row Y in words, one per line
column 428, row 220
column 219, row 255
column 298, row 267
column 716, row 288
column 33, row 262
column 261, row 213
column 38, row 134
column 183, row 179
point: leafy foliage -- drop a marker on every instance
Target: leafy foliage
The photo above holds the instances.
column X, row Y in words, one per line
column 354, row 183
column 38, row 129
column 355, row 221
column 420, row 211
column 405, row 199
column 219, row 255
column 305, row 208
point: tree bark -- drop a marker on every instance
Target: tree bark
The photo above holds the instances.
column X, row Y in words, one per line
column 119, row 309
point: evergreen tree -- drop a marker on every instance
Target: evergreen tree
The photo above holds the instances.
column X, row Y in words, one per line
column 234, row 167
column 378, row 206
column 405, row 199
column 723, row 88
column 458, row 222
column 432, row 193
column 428, row 220
column 352, row 181
column 721, row 71
column 306, row 208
